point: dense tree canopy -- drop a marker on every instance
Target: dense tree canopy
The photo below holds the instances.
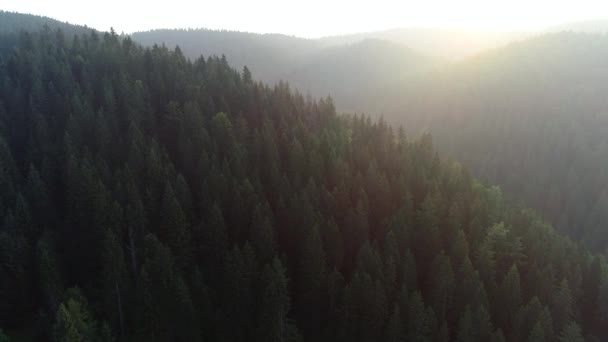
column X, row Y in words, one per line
column 148, row 197
column 530, row 116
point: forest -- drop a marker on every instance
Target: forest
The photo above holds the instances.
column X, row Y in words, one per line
column 527, row 112
column 530, row 117
column 146, row 196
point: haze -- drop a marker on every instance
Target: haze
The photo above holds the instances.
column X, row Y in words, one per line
column 314, row 18
column 407, row 172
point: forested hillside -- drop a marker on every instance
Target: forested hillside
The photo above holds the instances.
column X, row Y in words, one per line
column 531, row 117
column 146, row 197
column 268, row 56
column 346, row 71
column 11, row 22
column 445, row 44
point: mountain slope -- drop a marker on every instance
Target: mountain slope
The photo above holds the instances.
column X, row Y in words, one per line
column 344, row 71
column 148, row 197
column 268, row 56
column 445, row 44
column 348, row 72
column 11, row 22
column 531, row 117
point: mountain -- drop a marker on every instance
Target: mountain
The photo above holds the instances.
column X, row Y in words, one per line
column 446, row 44
column 530, row 117
column 536, row 100
column 268, row 56
column 145, row 196
column 11, row 22
column 346, row 71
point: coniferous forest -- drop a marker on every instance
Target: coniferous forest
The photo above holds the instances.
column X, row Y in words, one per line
column 145, row 196
column 529, row 116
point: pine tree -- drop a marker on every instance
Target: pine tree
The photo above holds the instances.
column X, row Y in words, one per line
column 561, row 307
column 510, row 298
column 311, row 280
column 459, row 248
column 174, row 227
column 114, row 270
column 23, row 218
column 571, row 333
column 537, row 334
column 74, row 323
column 272, row 321
column 394, row 329
column 418, row 325
column 50, row 279
column 482, row 323
column 3, row 337
column 37, row 195
column 442, row 285
column 465, row 327
column 185, row 317
column 212, row 238
column 427, row 229
column 602, row 304
column 262, row 233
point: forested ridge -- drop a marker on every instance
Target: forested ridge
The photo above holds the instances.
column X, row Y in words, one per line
column 346, row 70
column 530, row 117
column 148, row 197
column 13, row 22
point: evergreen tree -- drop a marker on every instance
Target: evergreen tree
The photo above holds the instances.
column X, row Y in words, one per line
column 74, row 323
column 465, row 327
column 510, row 298
column 394, row 329
column 562, row 306
column 273, row 323
column 114, row 280
column 174, row 227
column 537, row 334
column 571, row 333
column 3, row 337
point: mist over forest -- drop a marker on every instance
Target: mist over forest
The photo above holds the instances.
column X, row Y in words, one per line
column 409, row 184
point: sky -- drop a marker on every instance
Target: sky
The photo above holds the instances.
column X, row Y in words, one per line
column 314, row 18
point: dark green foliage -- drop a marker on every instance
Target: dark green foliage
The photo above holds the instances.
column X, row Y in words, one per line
column 3, row 337
column 571, row 333
column 74, row 322
column 189, row 202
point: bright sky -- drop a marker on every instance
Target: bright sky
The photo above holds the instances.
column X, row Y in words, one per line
column 314, row 18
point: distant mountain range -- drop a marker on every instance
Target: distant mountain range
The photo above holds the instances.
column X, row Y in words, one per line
column 446, row 44
column 344, row 69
